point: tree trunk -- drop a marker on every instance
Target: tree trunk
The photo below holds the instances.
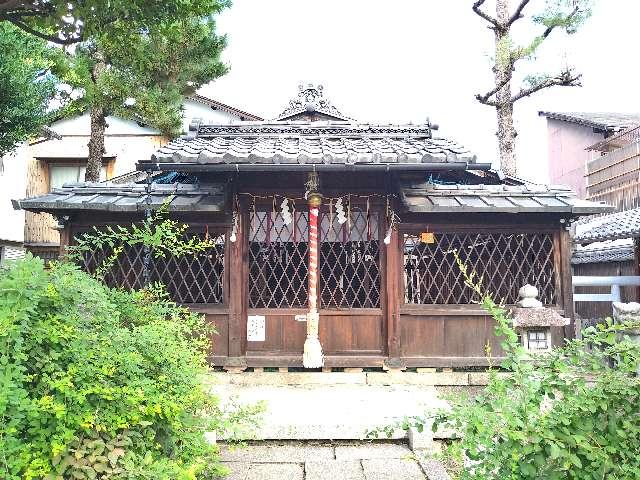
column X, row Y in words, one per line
column 96, row 144
column 502, row 70
column 98, row 127
column 506, row 137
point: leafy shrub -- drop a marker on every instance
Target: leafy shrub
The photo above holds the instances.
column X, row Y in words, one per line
column 570, row 414
column 101, row 383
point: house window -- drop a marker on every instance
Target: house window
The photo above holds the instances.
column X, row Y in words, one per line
column 503, row 262
column 59, row 174
column 197, row 278
column 278, row 260
column 537, row 339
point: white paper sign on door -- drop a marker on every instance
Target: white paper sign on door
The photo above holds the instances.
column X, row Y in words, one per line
column 256, row 328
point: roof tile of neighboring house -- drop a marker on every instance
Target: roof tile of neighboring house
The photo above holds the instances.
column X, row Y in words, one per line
column 604, row 253
column 215, row 104
column 611, row 227
column 607, row 121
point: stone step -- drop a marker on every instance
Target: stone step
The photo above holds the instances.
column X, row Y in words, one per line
column 329, row 461
column 356, row 377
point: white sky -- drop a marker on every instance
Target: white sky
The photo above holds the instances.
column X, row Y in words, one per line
column 405, row 60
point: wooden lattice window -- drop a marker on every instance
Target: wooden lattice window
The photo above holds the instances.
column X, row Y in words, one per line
column 349, row 261
column 278, row 260
column 504, row 262
column 188, row 279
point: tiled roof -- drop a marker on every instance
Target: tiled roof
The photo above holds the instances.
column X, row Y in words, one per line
column 603, row 252
column 426, row 197
column 609, row 121
column 288, row 142
column 130, row 197
column 611, row 227
column 215, row 104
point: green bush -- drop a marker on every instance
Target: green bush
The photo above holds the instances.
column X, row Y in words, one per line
column 570, row 414
column 566, row 415
column 101, row 383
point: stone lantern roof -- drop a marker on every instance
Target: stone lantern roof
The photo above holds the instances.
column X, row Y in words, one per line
column 529, row 312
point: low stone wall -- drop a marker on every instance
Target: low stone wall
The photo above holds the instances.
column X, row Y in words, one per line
column 353, row 378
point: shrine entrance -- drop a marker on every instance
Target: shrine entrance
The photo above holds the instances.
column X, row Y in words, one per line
column 349, row 287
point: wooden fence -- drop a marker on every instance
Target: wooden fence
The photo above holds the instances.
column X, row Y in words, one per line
column 613, row 284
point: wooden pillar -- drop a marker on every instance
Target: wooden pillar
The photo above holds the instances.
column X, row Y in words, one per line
column 394, row 290
column 237, row 264
column 65, row 239
column 566, row 282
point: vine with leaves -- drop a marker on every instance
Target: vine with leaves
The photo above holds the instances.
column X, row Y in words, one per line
column 162, row 235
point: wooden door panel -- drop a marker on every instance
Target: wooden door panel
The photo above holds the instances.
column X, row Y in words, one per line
column 448, row 336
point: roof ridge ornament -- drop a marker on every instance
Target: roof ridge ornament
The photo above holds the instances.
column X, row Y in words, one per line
column 311, row 99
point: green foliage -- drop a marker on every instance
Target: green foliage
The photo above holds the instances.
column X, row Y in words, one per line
column 569, row 414
column 72, row 21
column 148, row 70
column 158, row 68
column 568, row 15
column 26, row 86
column 102, row 383
column 162, row 235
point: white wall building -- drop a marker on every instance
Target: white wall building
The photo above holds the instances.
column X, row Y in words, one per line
column 40, row 165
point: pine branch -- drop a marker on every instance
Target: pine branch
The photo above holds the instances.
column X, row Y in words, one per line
column 49, row 38
column 517, row 15
column 485, row 99
column 488, row 18
column 565, row 79
column 553, row 26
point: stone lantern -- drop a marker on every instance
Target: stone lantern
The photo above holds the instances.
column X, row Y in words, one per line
column 533, row 321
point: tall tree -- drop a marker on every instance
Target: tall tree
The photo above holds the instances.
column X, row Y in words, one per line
column 143, row 74
column 27, row 85
column 71, row 21
column 567, row 15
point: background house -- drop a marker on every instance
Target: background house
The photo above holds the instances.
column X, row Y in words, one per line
column 569, row 136
column 598, row 155
column 42, row 164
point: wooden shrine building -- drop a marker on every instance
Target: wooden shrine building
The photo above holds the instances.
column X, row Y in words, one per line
column 326, row 225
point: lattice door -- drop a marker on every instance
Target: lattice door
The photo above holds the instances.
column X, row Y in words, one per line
column 349, row 261
column 278, row 260
column 504, row 262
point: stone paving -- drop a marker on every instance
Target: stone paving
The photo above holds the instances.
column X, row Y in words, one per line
column 331, row 412
column 329, row 461
column 315, row 425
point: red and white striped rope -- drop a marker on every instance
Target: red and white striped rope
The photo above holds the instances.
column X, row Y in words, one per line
column 313, row 258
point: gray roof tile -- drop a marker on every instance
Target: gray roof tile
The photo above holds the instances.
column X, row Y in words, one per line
column 609, row 121
column 312, row 142
column 127, row 197
column 604, row 254
column 611, row 227
column 428, row 197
